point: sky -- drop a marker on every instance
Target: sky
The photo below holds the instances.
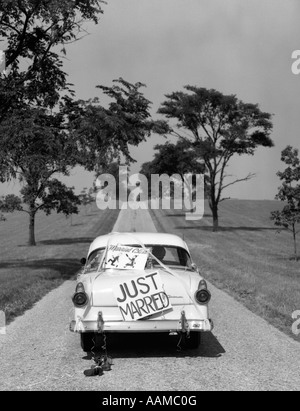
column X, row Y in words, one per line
column 240, row 47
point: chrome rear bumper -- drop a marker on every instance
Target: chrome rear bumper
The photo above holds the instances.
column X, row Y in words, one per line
column 143, row 326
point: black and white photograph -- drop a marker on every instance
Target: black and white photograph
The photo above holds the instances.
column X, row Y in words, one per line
column 149, row 198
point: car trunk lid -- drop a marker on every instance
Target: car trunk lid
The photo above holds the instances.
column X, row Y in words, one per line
column 110, row 284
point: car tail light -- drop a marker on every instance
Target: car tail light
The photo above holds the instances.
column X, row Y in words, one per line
column 80, row 288
column 203, row 296
column 202, row 285
column 80, row 298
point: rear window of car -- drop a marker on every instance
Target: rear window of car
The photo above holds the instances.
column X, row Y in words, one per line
column 168, row 255
column 172, row 256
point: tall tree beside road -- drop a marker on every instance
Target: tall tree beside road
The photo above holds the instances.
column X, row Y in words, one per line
column 289, row 192
column 35, row 148
column 34, row 137
column 219, row 127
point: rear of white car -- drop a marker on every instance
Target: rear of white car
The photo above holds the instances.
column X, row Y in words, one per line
column 121, row 301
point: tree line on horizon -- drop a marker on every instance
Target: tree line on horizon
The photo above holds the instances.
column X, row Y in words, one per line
column 45, row 131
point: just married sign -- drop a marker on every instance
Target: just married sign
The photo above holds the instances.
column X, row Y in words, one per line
column 142, row 297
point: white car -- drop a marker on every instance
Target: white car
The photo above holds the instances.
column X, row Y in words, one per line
column 140, row 283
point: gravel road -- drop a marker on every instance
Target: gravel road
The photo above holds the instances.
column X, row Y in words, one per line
column 243, row 352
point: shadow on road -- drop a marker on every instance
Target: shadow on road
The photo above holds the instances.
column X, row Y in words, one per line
column 66, row 241
column 225, row 229
column 183, row 214
column 159, row 345
column 64, row 268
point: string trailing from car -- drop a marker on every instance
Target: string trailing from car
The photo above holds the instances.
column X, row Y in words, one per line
column 102, row 361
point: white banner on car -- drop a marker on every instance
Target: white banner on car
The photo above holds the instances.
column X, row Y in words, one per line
column 126, row 257
column 142, row 297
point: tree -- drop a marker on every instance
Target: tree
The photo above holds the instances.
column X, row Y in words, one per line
column 9, row 204
column 105, row 134
column 86, row 197
column 177, row 158
column 35, row 148
column 289, row 192
column 172, row 159
column 35, row 143
column 32, row 31
column 219, row 127
column 53, row 195
column 36, row 26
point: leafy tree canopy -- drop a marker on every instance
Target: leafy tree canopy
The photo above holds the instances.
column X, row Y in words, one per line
column 225, row 124
column 31, row 31
column 106, row 133
column 35, row 145
column 170, row 159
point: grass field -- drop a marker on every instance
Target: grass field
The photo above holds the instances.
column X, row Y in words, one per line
column 247, row 257
column 28, row 273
